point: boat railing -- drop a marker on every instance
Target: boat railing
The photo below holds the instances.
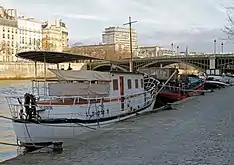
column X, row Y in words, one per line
column 171, row 88
column 41, row 88
column 17, row 103
column 99, row 109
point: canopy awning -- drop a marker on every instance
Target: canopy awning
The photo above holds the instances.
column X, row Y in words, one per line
column 53, row 57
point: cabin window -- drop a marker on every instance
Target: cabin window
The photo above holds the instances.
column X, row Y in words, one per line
column 141, row 83
column 115, row 84
column 129, row 84
column 136, row 83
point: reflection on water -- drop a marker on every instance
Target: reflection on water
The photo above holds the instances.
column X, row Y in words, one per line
column 6, row 130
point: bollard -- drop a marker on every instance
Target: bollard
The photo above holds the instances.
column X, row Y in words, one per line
column 57, row 147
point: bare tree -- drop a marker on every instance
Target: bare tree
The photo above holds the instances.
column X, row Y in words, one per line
column 229, row 28
column 102, row 52
column 5, row 47
column 2, row 46
column 48, row 45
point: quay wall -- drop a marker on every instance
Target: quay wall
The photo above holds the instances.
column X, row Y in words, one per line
column 26, row 70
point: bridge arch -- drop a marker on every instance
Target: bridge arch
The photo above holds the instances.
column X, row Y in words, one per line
column 107, row 67
column 168, row 62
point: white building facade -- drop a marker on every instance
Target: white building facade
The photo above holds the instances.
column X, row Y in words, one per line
column 29, row 34
column 8, row 34
column 120, row 36
column 54, row 35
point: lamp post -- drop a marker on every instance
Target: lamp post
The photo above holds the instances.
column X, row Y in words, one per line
column 172, row 46
column 130, row 22
column 177, row 50
column 222, row 47
column 215, row 46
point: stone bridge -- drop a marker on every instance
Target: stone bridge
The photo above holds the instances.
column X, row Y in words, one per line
column 200, row 62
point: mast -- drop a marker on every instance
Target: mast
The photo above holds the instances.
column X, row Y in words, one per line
column 130, row 22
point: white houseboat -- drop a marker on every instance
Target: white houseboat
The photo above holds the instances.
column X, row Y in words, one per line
column 77, row 101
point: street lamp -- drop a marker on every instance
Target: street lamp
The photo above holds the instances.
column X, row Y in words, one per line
column 222, row 47
column 177, row 50
column 214, row 46
column 172, row 46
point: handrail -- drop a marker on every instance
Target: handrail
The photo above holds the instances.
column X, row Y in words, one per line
column 15, row 108
column 72, row 97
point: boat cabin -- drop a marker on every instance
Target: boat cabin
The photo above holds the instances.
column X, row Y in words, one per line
column 95, row 84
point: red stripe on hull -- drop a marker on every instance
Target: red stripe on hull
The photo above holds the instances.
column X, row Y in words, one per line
column 178, row 96
column 172, row 96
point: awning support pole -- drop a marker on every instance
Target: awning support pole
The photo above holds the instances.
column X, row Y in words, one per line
column 35, row 70
column 45, row 90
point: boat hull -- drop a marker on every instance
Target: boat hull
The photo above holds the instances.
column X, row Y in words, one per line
column 168, row 96
column 215, row 85
column 34, row 135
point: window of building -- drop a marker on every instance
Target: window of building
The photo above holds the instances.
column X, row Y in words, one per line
column 129, row 84
column 136, row 83
column 115, row 85
column 12, row 36
column 3, row 35
column 8, row 30
column 142, row 83
column 3, row 29
column 8, row 36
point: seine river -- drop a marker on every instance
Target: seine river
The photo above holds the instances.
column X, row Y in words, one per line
column 6, row 131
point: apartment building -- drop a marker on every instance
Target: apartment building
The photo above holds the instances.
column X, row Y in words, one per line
column 120, row 36
column 54, row 36
column 8, row 34
column 29, row 34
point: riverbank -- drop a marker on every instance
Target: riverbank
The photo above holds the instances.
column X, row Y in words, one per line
column 24, row 70
column 197, row 131
column 25, row 78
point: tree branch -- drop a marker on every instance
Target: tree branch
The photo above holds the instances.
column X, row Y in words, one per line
column 229, row 28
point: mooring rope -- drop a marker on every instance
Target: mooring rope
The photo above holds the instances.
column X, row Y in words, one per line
column 5, row 117
column 11, row 144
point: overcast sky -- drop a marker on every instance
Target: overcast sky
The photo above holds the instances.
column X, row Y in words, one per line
column 195, row 23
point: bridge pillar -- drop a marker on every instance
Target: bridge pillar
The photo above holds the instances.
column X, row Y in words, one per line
column 212, row 63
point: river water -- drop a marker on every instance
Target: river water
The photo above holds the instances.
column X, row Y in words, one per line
column 6, row 130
